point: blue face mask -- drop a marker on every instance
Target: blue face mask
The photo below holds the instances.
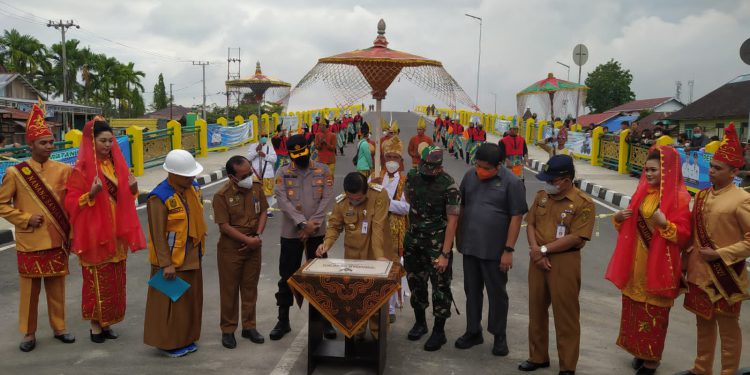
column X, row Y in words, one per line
column 263, row 139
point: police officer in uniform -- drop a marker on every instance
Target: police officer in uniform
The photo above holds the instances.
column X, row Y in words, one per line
column 560, row 221
column 428, row 243
column 240, row 211
column 361, row 212
column 304, row 192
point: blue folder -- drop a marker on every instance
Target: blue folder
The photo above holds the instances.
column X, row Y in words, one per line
column 174, row 289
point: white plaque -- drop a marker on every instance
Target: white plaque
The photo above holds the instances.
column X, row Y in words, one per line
column 348, row 267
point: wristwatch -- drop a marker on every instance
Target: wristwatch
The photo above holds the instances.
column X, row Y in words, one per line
column 301, row 225
column 509, row 249
column 543, row 249
column 446, row 255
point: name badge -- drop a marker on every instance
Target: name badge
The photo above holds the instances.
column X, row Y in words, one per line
column 560, row 231
column 257, row 208
column 365, row 227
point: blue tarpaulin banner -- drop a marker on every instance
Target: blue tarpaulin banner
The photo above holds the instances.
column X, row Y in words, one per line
column 229, row 136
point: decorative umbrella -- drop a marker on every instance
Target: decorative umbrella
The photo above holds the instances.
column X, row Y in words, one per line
column 552, row 94
column 262, row 88
column 351, row 76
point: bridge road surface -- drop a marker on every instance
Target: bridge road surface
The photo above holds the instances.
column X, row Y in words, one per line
column 600, row 313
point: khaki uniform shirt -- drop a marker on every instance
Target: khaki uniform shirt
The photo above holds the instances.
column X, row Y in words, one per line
column 372, row 243
column 575, row 210
column 240, row 208
column 303, row 195
column 18, row 204
column 727, row 220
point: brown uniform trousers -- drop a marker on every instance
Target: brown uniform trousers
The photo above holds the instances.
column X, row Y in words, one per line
column 559, row 286
column 372, row 245
column 239, row 267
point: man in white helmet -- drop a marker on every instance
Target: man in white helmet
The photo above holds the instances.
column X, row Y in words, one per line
column 177, row 234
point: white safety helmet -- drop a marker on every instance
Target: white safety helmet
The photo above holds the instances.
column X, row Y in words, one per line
column 182, row 163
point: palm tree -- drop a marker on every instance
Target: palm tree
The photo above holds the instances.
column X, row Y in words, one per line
column 22, row 54
column 74, row 60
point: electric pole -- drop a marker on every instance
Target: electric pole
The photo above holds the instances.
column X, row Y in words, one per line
column 203, row 65
column 171, row 101
column 62, row 26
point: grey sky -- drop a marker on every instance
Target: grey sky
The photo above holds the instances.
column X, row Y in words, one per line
column 659, row 41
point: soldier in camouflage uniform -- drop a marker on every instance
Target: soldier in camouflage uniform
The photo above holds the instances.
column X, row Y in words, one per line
column 428, row 244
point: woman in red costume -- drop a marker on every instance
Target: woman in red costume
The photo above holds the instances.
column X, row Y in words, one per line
column 100, row 202
column 645, row 265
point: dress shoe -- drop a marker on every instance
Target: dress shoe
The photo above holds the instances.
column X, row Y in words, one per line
column 417, row 331
column 227, row 339
column 97, row 337
column 566, row 373
column 645, row 371
column 110, row 334
column 27, row 346
column 253, row 335
column 391, row 318
column 329, row 332
column 67, row 338
column 279, row 330
column 500, row 346
column 468, row 340
column 531, row 366
column 636, row 363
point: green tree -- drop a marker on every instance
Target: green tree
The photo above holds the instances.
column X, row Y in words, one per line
column 22, row 54
column 609, row 86
column 160, row 94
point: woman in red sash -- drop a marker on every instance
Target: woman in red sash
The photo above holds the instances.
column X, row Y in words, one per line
column 100, row 202
column 645, row 265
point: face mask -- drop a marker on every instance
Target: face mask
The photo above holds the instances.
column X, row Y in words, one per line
column 697, row 135
column 657, row 134
column 486, row 174
column 302, row 161
column 246, row 183
column 392, row 166
column 551, row 188
column 263, row 140
column 357, row 203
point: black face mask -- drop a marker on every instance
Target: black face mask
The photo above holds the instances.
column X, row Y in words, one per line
column 302, row 162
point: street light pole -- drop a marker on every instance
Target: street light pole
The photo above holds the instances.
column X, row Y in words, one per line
column 495, row 95
column 479, row 58
column 567, row 66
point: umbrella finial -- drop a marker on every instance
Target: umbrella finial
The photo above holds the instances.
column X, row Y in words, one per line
column 550, row 75
column 380, row 41
column 257, row 68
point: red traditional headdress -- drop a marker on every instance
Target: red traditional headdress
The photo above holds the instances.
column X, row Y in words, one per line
column 663, row 267
column 36, row 127
column 730, row 151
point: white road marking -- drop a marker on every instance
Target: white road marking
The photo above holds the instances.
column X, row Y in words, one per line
column 290, row 357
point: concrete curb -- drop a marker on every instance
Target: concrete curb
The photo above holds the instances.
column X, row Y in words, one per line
column 202, row 180
column 593, row 189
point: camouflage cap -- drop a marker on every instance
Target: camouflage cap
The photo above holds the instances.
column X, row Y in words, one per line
column 432, row 160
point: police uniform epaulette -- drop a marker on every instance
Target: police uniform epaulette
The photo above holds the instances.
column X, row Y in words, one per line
column 376, row 187
column 340, row 198
column 585, row 196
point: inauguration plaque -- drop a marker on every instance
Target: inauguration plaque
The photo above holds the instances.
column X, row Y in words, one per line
column 348, row 267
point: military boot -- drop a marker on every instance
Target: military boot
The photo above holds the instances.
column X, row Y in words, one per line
column 282, row 327
column 420, row 326
column 437, row 338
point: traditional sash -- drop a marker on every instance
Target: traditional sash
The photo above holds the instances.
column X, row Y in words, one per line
column 111, row 188
column 35, row 184
column 45, row 263
column 725, row 278
column 643, row 230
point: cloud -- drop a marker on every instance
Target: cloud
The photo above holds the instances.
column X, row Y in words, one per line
column 660, row 42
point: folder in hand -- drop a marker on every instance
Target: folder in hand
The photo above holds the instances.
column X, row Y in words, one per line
column 174, row 289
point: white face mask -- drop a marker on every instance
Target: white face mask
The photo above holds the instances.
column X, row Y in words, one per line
column 551, row 188
column 391, row 166
column 246, row 183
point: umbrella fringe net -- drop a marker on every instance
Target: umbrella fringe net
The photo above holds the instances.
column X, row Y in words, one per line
column 270, row 94
column 348, row 85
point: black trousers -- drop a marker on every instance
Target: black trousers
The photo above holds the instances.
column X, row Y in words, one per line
column 290, row 260
column 478, row 275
